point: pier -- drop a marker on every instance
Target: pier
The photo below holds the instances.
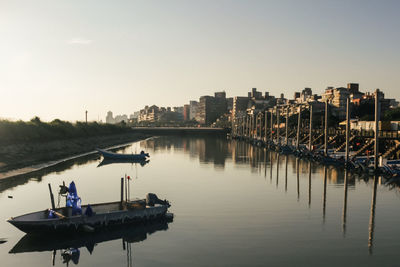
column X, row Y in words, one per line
column 372, row 151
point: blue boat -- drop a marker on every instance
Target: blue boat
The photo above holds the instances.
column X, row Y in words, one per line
column 115, row 156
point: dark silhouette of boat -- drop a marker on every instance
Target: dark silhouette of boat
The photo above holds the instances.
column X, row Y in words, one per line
column 107, row 161
column 128, row 233
column 110, row 155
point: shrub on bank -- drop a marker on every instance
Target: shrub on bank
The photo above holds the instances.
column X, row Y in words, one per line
column 36, row 130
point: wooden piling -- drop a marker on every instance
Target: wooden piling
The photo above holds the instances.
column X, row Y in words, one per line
column 278, row 136
column 298, row 128
column 347, row 130
column 122, row 190
column 272, row 125
column 266, row 126
column 286, row 125
column 126, row 189
column 310, row 137
column 326, row 129
column 376, row 139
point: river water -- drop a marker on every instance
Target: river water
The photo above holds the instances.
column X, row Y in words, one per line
column 234, row 205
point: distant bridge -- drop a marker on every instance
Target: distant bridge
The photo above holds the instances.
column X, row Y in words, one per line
column 181, row 130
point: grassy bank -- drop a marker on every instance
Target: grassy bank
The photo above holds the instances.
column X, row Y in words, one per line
column 37, row 131
column 26, row 143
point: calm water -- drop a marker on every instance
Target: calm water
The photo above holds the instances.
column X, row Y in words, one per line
column 234, row 205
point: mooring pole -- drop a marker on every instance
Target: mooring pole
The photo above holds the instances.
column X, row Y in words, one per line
column 310, row 137
column 53, row 206
column 251, row 126
column 286, row 125
column 326, row 129
column 377, row 118
column 298, row 129
column 272, row 125
column 126, row 189
column 122, row 190
column 243, row 125
column 347, row 129
column 266, row 126
column 253, row 122
column 258, row 125
column 247, row 126
column 278, row 137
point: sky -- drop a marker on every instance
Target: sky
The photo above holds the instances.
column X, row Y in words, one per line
column 60, row 58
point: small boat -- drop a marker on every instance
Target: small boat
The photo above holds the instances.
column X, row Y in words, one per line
column 110, row 155
column 90, row 218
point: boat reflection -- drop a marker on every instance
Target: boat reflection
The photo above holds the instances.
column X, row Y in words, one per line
column 115, row 161
column 69, row 246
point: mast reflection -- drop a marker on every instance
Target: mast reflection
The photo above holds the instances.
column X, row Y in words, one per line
column 324, row 196
column 286, row 171
column 309, row 185
column 277, row 170
column 344, row 213
column 298, row 178
column 371, row 227
column 270, row 173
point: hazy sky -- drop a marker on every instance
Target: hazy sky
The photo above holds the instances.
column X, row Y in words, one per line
column 59, row 58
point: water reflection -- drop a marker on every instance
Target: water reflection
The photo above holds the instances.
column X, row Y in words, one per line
column 234, row 155
column 371, row 227
column 69, row 246
column 61, row 167
column 298, row 177
column 344, row 213
column 286, row 171
column 309, row 185
column 141, row 162
column 324, row 196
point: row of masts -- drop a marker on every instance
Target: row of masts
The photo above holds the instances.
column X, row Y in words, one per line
column 255, row 127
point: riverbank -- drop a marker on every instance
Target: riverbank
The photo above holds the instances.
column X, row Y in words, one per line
column 17, row 159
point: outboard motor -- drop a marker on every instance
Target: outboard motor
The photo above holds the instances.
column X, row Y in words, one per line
column 152, row 199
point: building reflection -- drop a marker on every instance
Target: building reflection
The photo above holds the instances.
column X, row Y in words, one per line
column 213, row 150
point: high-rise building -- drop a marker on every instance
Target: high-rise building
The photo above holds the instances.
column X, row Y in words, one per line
column 186, row 112
column 239, row 106
column 193, row 109
column 210, row 108
column 110, row 118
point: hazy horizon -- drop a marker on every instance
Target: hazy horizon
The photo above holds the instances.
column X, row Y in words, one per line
column 62, row 58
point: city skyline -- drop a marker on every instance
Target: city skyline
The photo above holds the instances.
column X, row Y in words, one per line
column 61, row 59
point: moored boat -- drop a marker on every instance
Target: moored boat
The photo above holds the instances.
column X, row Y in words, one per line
column 89, row 218
column 111, row 155
column 104, row 214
